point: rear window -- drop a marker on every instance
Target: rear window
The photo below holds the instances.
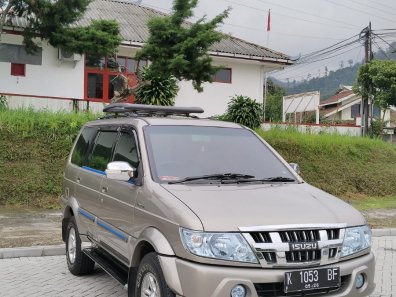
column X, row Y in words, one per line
column 79, row 155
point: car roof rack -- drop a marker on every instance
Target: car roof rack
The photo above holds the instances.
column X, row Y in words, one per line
column 129, row 109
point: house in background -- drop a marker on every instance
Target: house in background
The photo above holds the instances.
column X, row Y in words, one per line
column 344, row 105
column 57, row 80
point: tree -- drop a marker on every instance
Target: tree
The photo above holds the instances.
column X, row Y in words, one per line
column 178, row 48
column 52, row 20
column 160, row 91
column 378, row 78
column 273, row 105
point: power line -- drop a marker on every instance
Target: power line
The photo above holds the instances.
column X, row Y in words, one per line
column 383, row 52
column 254, row 29
column 307, row 13
column 361, row 11
column 285, row 15
column 297, row 66
column 331, row 46
column 379, row 3
column 385, row 41
column 308, row 59
column 283, row 75
column 373, row 7
column 282, row 33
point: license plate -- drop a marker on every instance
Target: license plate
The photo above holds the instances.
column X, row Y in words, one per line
column 312, row 279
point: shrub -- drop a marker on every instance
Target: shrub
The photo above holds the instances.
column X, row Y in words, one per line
column 244, row 110
column 3, row 102
column 159, row 90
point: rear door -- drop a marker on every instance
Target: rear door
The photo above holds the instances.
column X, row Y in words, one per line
column 84, row 187
column 90, row 175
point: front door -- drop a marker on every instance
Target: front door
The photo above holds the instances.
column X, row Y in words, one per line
column 118, row 198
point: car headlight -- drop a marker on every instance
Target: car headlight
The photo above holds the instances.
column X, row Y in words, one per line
column 222, row 246
column 356, row 239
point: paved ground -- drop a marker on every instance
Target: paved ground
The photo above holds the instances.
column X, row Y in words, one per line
column 48, row 276
column 29, row 227
column 38, row 227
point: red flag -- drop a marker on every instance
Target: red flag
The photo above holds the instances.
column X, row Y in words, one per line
column 269, row 21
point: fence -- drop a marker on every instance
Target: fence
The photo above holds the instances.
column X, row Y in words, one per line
column 350, row 130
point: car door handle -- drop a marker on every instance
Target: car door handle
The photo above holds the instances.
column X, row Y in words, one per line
column 78, row 179
column 105, row 189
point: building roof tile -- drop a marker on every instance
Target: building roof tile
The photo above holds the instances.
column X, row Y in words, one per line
column 133, row 19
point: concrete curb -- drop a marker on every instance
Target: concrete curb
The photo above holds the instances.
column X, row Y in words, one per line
column 33, row 251
column 58, row 250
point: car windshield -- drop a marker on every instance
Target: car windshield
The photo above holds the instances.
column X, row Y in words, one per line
column 179, row 153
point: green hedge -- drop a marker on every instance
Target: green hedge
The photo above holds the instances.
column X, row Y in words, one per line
column 33, row 149
column 340, row 165
column 35, row 145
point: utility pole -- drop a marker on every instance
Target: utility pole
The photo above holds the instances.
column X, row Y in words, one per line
column 364, row 108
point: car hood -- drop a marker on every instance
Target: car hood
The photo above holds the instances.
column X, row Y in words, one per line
column 228, row 207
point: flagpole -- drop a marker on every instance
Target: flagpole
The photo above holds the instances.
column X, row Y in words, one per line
column 266, row 77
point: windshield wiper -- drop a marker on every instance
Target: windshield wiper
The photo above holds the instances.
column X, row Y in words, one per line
column 218, row 176
column 268, row 179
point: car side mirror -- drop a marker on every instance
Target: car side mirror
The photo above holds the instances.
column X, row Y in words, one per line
column 118, row 170
column 295, row 167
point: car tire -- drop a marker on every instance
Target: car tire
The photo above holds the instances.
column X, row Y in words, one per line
column 150, row 280
column 77, row 262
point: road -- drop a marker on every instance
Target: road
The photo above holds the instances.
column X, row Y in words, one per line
column 48, row 276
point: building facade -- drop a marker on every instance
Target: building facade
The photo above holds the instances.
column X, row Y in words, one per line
column 56, row 80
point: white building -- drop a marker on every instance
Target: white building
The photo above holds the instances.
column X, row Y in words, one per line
column 55, row 80
column 345, row 106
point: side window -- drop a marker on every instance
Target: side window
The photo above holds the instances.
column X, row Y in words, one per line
column 101, row 153
column 86, row 138
column 224, row 75
column 126, row 150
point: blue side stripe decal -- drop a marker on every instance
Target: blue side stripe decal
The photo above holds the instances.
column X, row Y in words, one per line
column 87, row 215
column 102, row 224
column 94, row 170
column 108, row 228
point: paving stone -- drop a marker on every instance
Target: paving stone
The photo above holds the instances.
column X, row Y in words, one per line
column 49, row 276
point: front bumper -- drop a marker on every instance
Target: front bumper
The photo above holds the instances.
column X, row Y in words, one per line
column 199, row 280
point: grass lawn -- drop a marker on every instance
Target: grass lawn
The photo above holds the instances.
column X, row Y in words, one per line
column 372, row 203
column 380, row 212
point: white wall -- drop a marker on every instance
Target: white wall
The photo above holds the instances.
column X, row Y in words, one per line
column 346, row 114
column 247, row 80
column 316, row 129
column 54, row 78
column 52, row 104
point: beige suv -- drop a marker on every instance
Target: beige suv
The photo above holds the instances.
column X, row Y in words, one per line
column 173, row 205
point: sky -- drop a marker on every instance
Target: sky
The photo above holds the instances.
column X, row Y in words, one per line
column 299, row 27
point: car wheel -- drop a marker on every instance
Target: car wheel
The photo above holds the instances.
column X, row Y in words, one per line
column 150, row 281
column 77, row 262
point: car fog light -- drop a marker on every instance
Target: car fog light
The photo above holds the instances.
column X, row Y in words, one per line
column 238, row 291
column 359, row 281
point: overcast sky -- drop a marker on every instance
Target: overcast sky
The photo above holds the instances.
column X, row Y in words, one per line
column 299, row 26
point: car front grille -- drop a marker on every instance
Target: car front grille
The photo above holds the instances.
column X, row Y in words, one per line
column 303, row 256
column 300, row 236
column 296, row 245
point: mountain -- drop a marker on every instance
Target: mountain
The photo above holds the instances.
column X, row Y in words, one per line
column 330, row 83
